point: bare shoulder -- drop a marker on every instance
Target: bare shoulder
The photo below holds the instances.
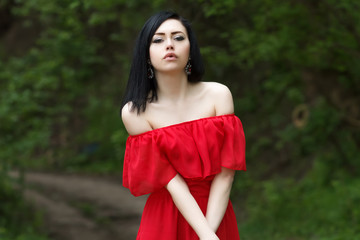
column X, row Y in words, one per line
column 134, row 123
column 215, row 86
column 222, row 96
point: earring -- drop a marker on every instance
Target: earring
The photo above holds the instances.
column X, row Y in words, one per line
column 150, row 71
column 188, row 67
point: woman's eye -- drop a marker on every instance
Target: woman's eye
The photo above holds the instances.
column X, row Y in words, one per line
column 157, row 40
column 179, row 38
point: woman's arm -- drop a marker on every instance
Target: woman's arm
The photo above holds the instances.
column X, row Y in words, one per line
column 189, row 208
column 219, row 197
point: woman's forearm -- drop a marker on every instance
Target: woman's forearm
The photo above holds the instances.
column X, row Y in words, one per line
column 219, row 197
column 189, row 208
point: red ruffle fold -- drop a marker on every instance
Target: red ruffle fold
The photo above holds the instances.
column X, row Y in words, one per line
column 194, row 149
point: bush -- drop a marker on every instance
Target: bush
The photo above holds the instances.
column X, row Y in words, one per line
column 18, row 219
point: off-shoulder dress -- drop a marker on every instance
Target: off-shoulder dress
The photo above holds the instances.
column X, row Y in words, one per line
column 194, row 149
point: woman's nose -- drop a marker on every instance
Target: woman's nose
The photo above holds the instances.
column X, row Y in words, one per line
column 169, row 44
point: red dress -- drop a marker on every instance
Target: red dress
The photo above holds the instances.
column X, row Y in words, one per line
column 194, row 149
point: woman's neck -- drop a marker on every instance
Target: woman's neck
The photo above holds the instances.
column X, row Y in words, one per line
column 172, row 87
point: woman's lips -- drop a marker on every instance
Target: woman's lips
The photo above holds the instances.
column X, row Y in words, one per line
column 170, row 56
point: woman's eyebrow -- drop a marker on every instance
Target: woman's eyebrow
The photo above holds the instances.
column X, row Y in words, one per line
column 172, row 33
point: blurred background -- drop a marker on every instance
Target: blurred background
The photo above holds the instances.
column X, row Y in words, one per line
column 293, row 68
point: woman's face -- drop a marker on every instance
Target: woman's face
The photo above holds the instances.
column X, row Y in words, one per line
column 170, row 47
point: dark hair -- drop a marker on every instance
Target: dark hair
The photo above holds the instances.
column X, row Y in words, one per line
column 139, row 86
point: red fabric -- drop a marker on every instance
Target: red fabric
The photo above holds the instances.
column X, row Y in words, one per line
column 196, row 150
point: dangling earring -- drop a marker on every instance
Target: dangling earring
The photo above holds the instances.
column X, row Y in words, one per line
column 188, row 67
column 150, row 71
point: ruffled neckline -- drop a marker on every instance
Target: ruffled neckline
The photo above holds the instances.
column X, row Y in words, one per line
column 181, row 124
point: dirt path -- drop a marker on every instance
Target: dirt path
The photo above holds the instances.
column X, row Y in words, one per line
column 83, row 207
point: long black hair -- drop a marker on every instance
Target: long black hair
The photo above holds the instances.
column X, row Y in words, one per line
column 140, row 89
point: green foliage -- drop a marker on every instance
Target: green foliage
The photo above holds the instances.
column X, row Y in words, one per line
column 18, row 221
column 4, row 235
column 285, row 209
column 293, row 68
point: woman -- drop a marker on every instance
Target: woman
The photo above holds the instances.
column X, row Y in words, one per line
column 185, row 142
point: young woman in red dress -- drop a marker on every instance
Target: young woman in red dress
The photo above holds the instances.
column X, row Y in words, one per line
column 185, row 142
